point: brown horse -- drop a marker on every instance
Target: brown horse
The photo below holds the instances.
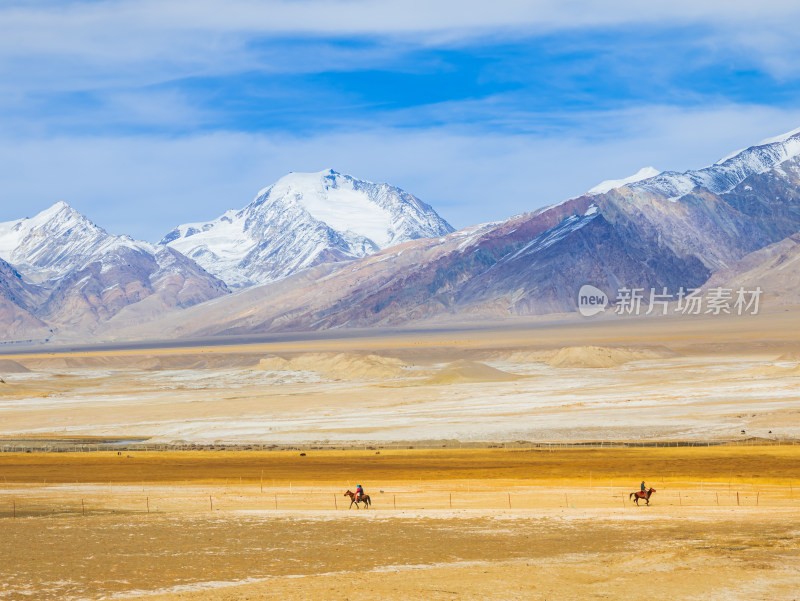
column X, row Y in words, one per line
column 364, row 499
column 642, row 495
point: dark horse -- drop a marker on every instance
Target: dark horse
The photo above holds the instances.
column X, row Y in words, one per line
column 642, row 495
column 364, row 499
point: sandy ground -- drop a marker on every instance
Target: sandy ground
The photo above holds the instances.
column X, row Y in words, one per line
column 545, row 554
column 700, row 379
column 447, row 524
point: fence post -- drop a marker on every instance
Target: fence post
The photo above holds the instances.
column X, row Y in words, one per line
column 335, row 502
column 509, row 500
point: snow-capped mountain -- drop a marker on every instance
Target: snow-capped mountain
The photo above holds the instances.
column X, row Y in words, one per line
column 59, row 241
column 535, row 263
column 738, row 218
column 76, row 275
column 54, row 242
column 727, row 173
column 302, row 220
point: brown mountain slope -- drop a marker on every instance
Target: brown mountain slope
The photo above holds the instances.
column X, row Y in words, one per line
column 775, row 268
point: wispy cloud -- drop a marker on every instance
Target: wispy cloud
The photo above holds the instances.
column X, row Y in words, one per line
column 180, row 109
column 293, row 85
column 367, row 17
column 217, row 36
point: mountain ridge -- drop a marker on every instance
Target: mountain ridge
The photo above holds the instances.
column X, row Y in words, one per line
column 638, row 234
column 302, row 220
column 535, row 263
column 79, row 276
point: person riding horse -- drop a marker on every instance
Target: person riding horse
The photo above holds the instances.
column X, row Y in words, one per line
column 643, row 494
column 356, row 499
column 359, row 492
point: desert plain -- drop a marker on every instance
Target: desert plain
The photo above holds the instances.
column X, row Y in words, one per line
column 500, row 461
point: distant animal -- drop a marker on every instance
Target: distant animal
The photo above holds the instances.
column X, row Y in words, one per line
column 365, row 499
column 642, row 495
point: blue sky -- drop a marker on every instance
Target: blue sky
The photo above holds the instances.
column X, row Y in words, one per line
column 145, row 114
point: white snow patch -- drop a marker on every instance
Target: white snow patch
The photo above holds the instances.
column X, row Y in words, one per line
column 779, row 138
column 335, row 201
column 553, row 235
column 611, row 184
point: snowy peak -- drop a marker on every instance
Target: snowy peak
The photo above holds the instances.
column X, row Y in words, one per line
column 52, row 242
column 380, row 213
column 610, row 184
column 74, row 276
column 60, row 241
column 51, row 220
column 304, row 219
column 339, row 201
column 727, row 173
column 780, row 138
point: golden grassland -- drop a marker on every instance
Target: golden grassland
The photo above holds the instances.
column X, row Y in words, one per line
column 773, row 464
column 445, row 524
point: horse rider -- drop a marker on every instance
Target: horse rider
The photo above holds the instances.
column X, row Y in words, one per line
column 359, row 492
column 644, row 490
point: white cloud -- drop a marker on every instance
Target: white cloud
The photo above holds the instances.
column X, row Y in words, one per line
column 204, row 36
column 333, row 17
column 146, row 185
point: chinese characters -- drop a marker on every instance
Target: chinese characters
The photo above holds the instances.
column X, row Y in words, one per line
column 687, row 301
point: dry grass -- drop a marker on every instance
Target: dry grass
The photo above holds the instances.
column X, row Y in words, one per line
column 778, row 465
column 192, row 526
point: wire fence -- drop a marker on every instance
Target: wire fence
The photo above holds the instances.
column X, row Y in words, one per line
column 22, row 502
